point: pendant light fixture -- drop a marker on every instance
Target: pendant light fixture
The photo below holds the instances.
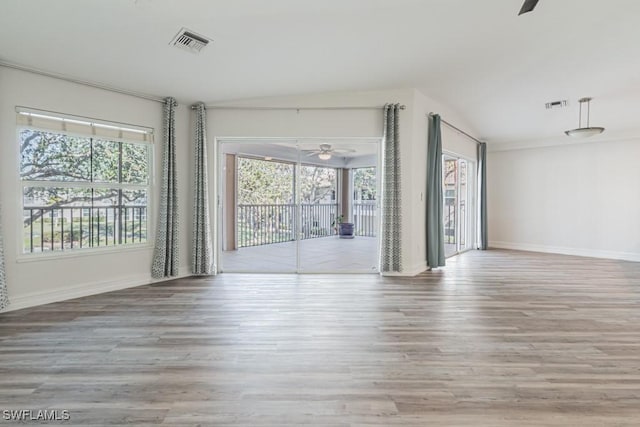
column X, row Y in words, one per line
column 584, row 132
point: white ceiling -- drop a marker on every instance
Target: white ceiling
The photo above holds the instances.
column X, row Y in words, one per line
column 478, row 57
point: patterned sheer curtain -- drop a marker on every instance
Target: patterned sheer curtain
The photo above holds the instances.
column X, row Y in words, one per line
column 201, row 261
column 4, row 294
column 165, row 254
column 435, row 223
column 391, row 209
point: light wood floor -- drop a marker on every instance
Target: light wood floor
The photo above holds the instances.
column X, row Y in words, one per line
column 498, row 338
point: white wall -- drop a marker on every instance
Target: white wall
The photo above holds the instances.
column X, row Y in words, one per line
column 36, row 280
column 314, row 123
column 310, row 123
column 456, row 143
column 40, row 280
column 580, row 199
column 352, row 123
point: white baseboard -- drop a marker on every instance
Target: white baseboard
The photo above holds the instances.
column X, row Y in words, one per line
column 592, row 253
column 46, row 297
column 413, row 271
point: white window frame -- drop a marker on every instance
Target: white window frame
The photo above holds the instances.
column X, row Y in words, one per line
column 23, row 253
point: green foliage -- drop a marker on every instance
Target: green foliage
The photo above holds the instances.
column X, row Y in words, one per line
column 317, row 184
column 66, row 167
column 262, row 182
column 339, row 220
column 52, row 158
column 135, row 163
column 364, row 183
column 47, row 156
column 271, row 184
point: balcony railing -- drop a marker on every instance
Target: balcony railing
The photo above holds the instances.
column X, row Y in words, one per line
column 267, row 224
column 364, row 218
column 318, row 220
column 451, row 222
column 73, row 227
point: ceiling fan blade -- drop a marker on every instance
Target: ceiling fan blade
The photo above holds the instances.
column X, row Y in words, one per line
column 528, row 6
column 344, row 150
column 313, row 153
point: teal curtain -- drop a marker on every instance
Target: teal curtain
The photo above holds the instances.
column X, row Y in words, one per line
column 435, row 223
column 391, row 201
column 4, row 294
column 201, row 254
column 482, row 177
column 165, row 253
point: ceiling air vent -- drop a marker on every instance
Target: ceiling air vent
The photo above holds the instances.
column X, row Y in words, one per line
column 556, row 104
column 188, row 40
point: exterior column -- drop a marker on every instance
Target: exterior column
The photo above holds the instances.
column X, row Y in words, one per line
column 345, row 194
column 230, row 214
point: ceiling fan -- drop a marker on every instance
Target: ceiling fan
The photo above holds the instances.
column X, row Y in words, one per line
column 325, row 152
column 528, row 6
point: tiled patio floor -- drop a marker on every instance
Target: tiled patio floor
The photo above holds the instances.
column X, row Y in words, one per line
column 321, row 255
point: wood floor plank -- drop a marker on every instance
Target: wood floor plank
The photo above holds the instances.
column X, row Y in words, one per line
column 497, row 338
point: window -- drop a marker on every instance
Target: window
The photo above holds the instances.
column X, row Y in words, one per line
column 84, row 184
column 364, row 206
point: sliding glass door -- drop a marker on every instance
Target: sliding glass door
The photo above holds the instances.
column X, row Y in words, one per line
column 339, row 230
column 299, row 206
column 260, row 215
column 458, row 203
column 318, row 209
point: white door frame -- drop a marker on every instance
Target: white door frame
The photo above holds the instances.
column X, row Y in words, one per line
column 216, row 205
column 472, row 188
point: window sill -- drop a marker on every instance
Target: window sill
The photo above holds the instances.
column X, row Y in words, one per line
column 76, row 253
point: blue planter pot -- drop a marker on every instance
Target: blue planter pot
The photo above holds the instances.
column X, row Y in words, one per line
column 345, row 230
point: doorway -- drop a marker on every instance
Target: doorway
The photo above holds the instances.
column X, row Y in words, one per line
column 459, row 201
column 282, row 202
